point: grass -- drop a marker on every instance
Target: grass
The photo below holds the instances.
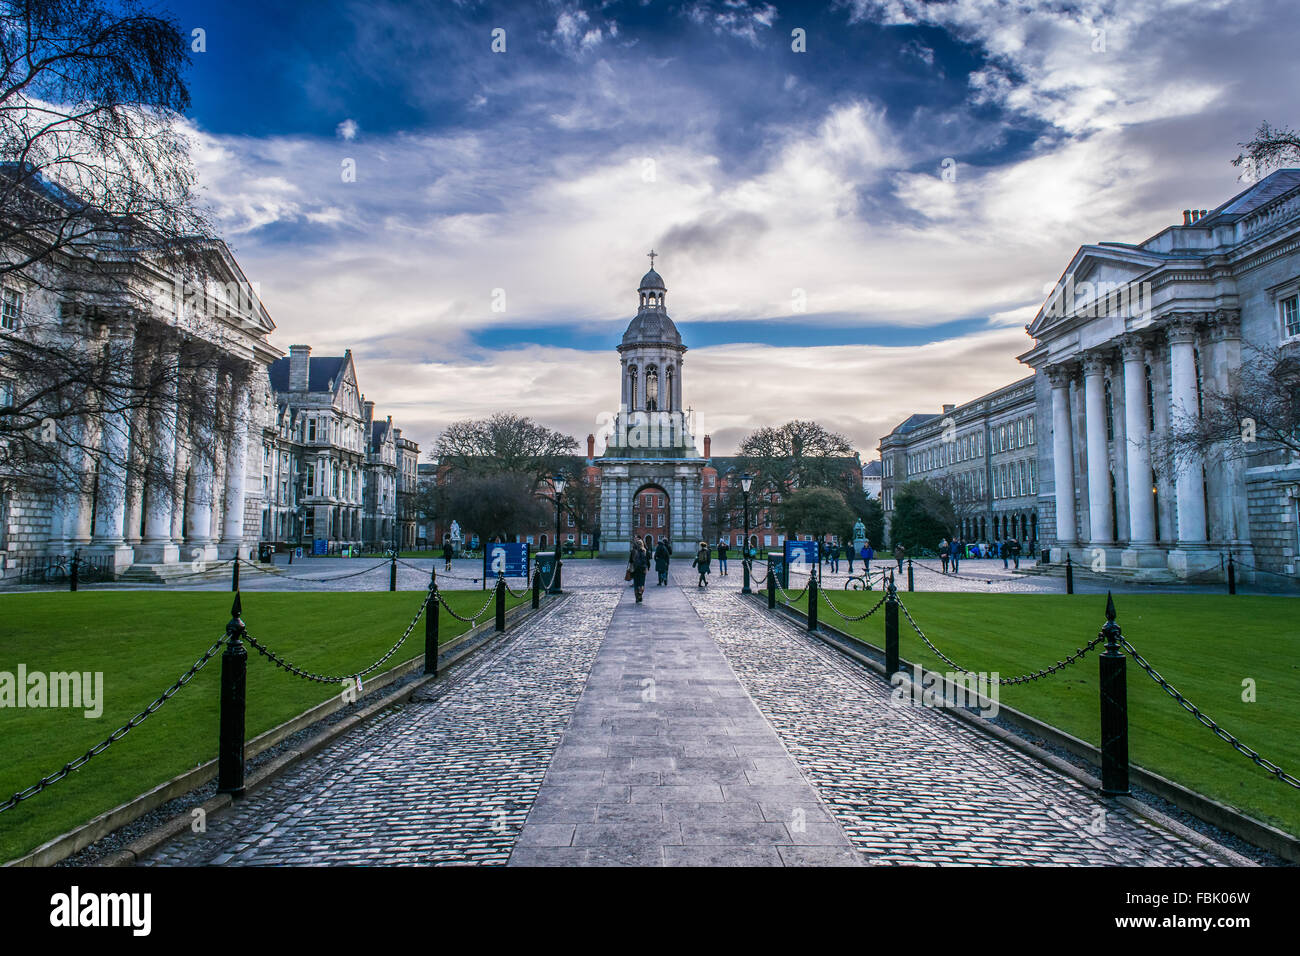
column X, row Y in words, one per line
column 1205, row 645
column 143, row 641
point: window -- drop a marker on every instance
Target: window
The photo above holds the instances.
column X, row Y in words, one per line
column 1290, row 314
column 1020, row 433
column 311, row 429
column 11, row 309
column 1030, row 430
column 1033, row 476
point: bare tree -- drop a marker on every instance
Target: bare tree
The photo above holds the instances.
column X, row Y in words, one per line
column 1272, row 146
column 503, row 443
column 101, row 244
column 798, row 454
column 1258, row 411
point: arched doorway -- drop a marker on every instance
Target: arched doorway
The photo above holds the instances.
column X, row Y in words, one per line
column 652, row 515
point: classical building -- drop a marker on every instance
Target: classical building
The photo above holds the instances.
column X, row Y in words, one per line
column 983, row 454
column 872, row 475
column 1126, row 346
column 216, row 328
column 651, row 448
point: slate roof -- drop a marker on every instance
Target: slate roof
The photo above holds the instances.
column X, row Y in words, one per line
column 321, row 371
column 1248, row 200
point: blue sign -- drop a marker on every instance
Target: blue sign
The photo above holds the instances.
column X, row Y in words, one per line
column 508, row 558
column 320, row 546
column 801, row 556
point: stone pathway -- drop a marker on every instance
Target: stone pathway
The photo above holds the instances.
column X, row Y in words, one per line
column 695, row 729
column 668, row 761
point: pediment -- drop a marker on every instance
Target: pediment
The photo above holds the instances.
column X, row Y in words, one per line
column 1095, row 272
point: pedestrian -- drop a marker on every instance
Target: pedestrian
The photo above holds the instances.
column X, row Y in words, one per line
column 900, row 553
column 662, row 555
column 955, row 557
column 833, row 553
column 1003, row 551
column 722, row 557
column 446, row 554
column 849, row 553
column 636, row 568
column 943, row 554
column 701, row 564
column 867, row 555
column 1015, row 552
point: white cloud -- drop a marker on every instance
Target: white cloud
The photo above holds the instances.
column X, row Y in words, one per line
column 347, row 130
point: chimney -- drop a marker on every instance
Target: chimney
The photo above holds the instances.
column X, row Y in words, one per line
column 948, row 408
column 708, row 446
column 1187, row 217
column 299, row 360
column 370, row 412
column 591, row 446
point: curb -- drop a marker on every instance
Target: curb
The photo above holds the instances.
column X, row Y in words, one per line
column 1253, row 831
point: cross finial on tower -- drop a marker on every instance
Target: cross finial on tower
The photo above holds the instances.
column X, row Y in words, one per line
column 652, row 259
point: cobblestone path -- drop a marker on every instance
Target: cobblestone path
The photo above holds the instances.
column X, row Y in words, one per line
column 447, row 779
column 695, row 729
column 911, row 784
column 668, row 762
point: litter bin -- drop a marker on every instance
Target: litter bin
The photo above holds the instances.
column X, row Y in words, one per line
column 265, row 552
column 546, row 565
column 776, row 561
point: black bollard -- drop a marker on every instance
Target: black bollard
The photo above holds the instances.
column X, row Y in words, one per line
column 910, row 585
column 891, row 627
column 537, row 588
column 744, row 562
column 73, row 573
column 1232, row 575
column 392, row 574
column 812, row 603
column 234, row 682
column 1069, row 575
column 1114, row 708
column 431, row 625
column 234, row 576
column 501, row 602
column 771, row 587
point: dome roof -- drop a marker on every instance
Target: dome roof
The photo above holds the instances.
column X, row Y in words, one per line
column 652, row 280
column 651, row 327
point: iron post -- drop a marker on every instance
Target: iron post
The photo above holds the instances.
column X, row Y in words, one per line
column 1114, row 708
column 234, row 688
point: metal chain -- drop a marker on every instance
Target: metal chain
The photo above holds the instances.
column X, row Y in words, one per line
column 785, row 596
column 1208, row 721
column 116, row 735
column 861, row 617
column 1023, row 678
column 471, row 621
column 284, row 664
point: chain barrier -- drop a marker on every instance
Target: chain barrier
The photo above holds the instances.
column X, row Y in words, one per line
column 1250, row 567
column 861, row 617
column 284, row 664
column 471, row 621
column 1023, row 678
column 1208, row 721
column 116, row 735
column 785, row 596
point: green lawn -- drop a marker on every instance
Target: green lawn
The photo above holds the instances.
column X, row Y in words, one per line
column 143, row 641
column 1205, row 645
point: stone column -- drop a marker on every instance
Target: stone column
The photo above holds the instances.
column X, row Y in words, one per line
column 115, row 450
column 204, row 467
column 1137, row 431
column 232, row 533
column 1227, row 473
column 1100, row 528
column 161, row 466
column 1183, row 408
column 1062, row 459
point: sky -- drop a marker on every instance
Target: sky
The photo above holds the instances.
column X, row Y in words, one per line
column 852, row 232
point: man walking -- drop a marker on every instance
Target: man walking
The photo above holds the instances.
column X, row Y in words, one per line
column 900, row 553
column 722, row 557
column 956, row 549
column 1015, row 552
column 661, row 562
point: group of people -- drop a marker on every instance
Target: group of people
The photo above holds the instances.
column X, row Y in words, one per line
column 952, row 552
column 640, row 560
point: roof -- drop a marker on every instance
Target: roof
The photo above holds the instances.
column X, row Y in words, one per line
column 652, row 280
column 651, row 326
column 873, row 469
column 1248, row 200
column 914, row 422
column 321, row 372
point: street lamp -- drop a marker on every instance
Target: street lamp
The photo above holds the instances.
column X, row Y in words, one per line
column 558, row 482
column 745, row 481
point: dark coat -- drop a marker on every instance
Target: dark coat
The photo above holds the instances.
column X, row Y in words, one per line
column 701, row 562
column 639, row 562
column 661, row 557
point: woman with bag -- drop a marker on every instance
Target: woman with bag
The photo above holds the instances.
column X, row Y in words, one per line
column 661, row 561
column 701, row 564
column 636, row 568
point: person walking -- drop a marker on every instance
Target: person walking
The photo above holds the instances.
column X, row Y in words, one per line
column 955, row 557
column 446, row 554
column 900, row 553
column 1015, row 552
column 722, row 557
column 833, row 554
column 850, row 553
column 661, row 562
column 637, row 565
column 943, row 554
column 1003, row 552
column 701, row 564
column 867, row 555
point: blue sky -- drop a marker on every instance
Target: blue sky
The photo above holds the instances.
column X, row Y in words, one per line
column 807, row 230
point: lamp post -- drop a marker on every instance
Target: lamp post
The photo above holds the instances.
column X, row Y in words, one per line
column 745, row 481
column 558, row 482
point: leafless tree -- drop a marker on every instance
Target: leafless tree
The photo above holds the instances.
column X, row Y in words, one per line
column 1258, row 412
column 798, row 454
column 1272, row 146
column 503, row 443
column 97, row 215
